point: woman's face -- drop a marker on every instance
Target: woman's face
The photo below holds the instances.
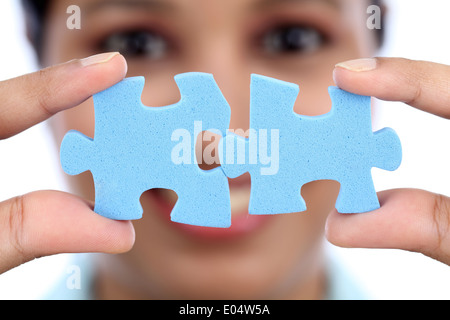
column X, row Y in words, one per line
column 297, row 41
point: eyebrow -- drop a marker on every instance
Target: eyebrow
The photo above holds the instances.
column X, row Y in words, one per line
column 269, row 3
column 154, row 5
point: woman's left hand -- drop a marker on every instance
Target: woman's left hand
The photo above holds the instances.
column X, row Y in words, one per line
column 413, row 220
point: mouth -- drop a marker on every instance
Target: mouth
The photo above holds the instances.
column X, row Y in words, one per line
column 243, row 224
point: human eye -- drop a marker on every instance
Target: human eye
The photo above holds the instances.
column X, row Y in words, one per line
column 136, row 44
column 292, row 39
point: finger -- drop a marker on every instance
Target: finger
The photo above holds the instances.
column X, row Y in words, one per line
column 408, row 219
column 50, row 222
column 423, row 85
column 30, row 99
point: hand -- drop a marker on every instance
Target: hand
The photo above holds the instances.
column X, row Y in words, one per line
column 413, row 220
column 50, row 222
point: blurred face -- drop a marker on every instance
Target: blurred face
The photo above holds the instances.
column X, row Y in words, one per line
column 297, row 41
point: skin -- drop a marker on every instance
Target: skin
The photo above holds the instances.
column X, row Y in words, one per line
column 167, row 263
column 222, row 31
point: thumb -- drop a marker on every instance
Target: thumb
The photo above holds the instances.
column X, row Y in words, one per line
column 408, row 219
column 50, row 222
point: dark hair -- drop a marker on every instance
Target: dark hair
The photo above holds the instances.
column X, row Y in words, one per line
column 36, row 11
column 35, row 14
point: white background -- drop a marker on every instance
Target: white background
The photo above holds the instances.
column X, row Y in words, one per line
column 417, row 29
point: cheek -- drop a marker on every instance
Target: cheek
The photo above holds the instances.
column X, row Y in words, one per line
column 80, row 118
column 320, row 197
column 313, row 100
column 160, row 90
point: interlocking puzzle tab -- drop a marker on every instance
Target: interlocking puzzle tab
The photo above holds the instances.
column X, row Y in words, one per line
column 337, row 146
column 131, row 152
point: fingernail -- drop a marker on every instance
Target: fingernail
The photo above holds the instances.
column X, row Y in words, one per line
column 98, row 59
column 358, row 65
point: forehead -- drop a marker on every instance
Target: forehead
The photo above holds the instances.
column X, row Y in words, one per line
column 167, row 5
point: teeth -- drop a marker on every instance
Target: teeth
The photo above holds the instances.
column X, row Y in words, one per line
column 240, row 197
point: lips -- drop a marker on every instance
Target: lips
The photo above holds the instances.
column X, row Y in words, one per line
column 243, row 224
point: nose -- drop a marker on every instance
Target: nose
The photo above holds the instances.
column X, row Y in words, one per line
column 222, row 57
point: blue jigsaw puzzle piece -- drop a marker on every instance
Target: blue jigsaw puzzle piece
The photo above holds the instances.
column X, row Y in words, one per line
column 337, row 146
column 132, row 151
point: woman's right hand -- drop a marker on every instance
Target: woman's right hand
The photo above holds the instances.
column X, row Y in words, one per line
column 50, row 222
